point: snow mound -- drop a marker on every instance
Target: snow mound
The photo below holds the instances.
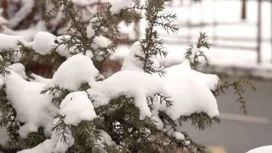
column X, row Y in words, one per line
column 134, row 84
column 75, row 71
column 90, row 31
column 19, row 68
column 33, row 109
column 188, row 96
column 77, row 107
column 10, row 42
column 102, row 41
column 133, row 63
column 53, row 145
column 43, row 43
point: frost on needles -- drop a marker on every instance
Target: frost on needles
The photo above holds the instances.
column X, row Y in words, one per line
column 140, row 109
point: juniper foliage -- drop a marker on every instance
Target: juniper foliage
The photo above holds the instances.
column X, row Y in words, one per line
column 120, row 118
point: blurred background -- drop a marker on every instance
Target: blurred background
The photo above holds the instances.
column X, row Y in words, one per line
column 240, row 32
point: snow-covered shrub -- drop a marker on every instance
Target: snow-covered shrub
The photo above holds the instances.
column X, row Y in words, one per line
column 78, row 109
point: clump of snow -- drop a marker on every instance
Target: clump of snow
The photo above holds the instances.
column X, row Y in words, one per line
column 188, row 96
column 62, row 146
column 29, row 33
column 118, row 5
column 19, row 68
column 75, row 71
column 134, row 84
column 33, row 109
column 63, row 49
column 53, row 145
column 77, row 107
column 264, row 149
column 105, row 138
column 179, row 136
column 43, row 43
column 10, row 42
column 90, row 31
column 133, row 63
column 102, row 41
column 211, row 80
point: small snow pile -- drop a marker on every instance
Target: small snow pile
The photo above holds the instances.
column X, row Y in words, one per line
column 190, row 92
column 134, row 84
column 29, row 33
column 264, row 149
column 33, row 109
column 75, row 71
column 63, row 49
column 179, row 136
column 77, row 107
column 43, row 43
column 53, row 145
column 90, row 31
column 104, row 138
column 10, row 42
column 19, row 68
column 133, row 63
column 102, row 41
column 211, row 80
column 118, row 5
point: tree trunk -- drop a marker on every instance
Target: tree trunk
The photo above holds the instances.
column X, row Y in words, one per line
column 244, row 9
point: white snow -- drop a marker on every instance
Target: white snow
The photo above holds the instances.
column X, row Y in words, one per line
column 181, row 84
column 118, row 5
column 29, row 104
column 130, row 61
column 29, row 33
column 77, row 107
column 75, row 71
column 189, row 94
column 19, row 68
column 105, row 138
column 90, row 31
column 133, row 63
column 63, row 49
column 179, row 136
column 53, row 145
column 134, row 84
column 43, row 43
column 264, row 149
column 102, row 41
column 37, row 78
column 10, row 42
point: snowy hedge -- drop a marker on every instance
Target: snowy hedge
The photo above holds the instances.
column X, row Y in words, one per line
column 141, row 108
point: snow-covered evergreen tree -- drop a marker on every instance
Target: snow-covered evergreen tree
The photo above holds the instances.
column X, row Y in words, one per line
column 140, row 109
